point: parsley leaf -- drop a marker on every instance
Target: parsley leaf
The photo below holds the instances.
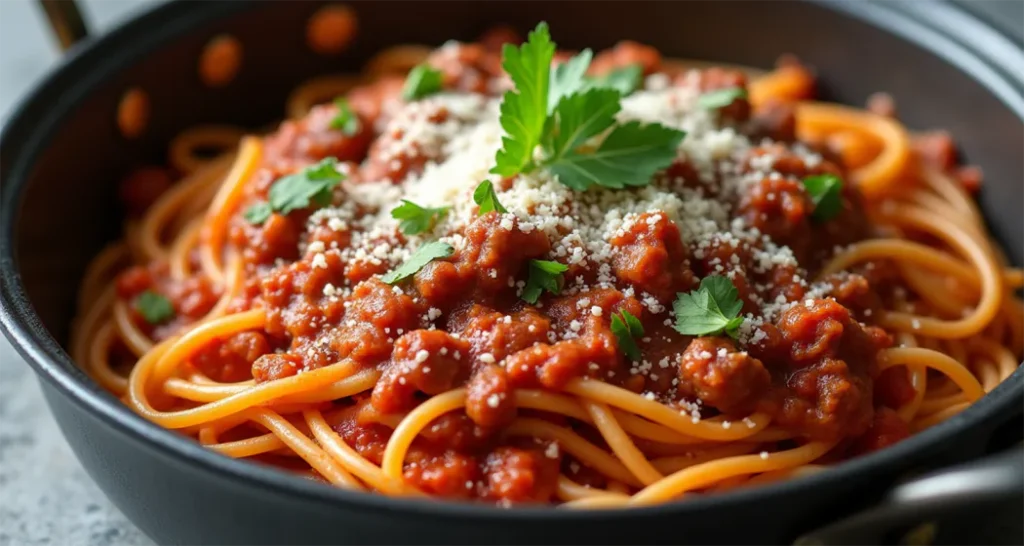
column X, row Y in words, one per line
column 579, row 117
column 627, row 330
column 544, row 275
column 345, row 120
column 297, row 191
column 710, row 310
column 423, row 255
column 416, row 219
column 312, row 185
column 484, row 196
column 258, row 213
column 720, row 98
column 568, row 77
column 423, row 80
column 626, row 79
column 153, row 307
column 629, row 156
column 824, row 190
column 524, row 110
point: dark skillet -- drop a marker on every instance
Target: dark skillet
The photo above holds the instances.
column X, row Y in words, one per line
column 61, row 155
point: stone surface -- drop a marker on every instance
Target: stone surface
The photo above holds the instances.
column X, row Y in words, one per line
column 45, row 495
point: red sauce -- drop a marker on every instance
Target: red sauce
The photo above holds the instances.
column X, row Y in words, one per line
column 459, row 321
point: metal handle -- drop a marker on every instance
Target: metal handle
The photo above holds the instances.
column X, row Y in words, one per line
column 909, row 513
column 66, row 21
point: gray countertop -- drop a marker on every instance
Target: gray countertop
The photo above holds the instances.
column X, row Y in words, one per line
column 45, row 495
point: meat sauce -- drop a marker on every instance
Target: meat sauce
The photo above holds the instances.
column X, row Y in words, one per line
column 460, row 321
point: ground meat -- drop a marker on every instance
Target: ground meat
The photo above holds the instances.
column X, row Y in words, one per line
column 515, row 475
column 831, row 358
column 376, row 316
column 498, row 248
column 493, row 337
column 775, row 120
column 368, row 439
column 427, row 361
column 294, row 294
column 450, row 474
column 192, row 297
column 392, row 156
column 231, row 360
column 311, row 138
column 722, row 377
column 780, row 208
column 275, row 366
column 276, row 238
column 458, row 431
column 853, row 292
column 490, row 401
column 886, row 429
column 893, row 388
column 552, row 366
column 648, row 255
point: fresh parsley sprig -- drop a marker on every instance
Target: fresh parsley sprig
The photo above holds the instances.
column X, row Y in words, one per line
column 415, row 219
column 345, row 120
column 487, row 200
column 709, row 310
column 627, row 330
column 423, row 255
column 524, row 109
column 310, row 187
column 825, row 192
column 543, row 275
column 422, row 81
column 625, row 79
column 628, row 156
column 563, row 110
column 153, row 307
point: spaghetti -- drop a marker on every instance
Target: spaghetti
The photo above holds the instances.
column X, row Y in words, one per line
column 281, row 337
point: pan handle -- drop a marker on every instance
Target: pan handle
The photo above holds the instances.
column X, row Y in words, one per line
column 66, row 21
column 909, row 512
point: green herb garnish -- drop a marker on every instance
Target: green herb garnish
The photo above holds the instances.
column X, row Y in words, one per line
column 625, row 80
column 563, row 110
column 153, row 307
column 487, row 200
column 543, row 275
column 345, row 120
column 720, row 98
column 311, row 187
column 825, row 192
column 524, row 110
column 258, row 213
column 710, row 310
column 423, row 80
column 423, row 255
column 416, row 219
column 627, row 330
column 629, row 156
column 568, row 78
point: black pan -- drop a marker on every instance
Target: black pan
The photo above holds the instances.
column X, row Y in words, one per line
column 61, row 155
